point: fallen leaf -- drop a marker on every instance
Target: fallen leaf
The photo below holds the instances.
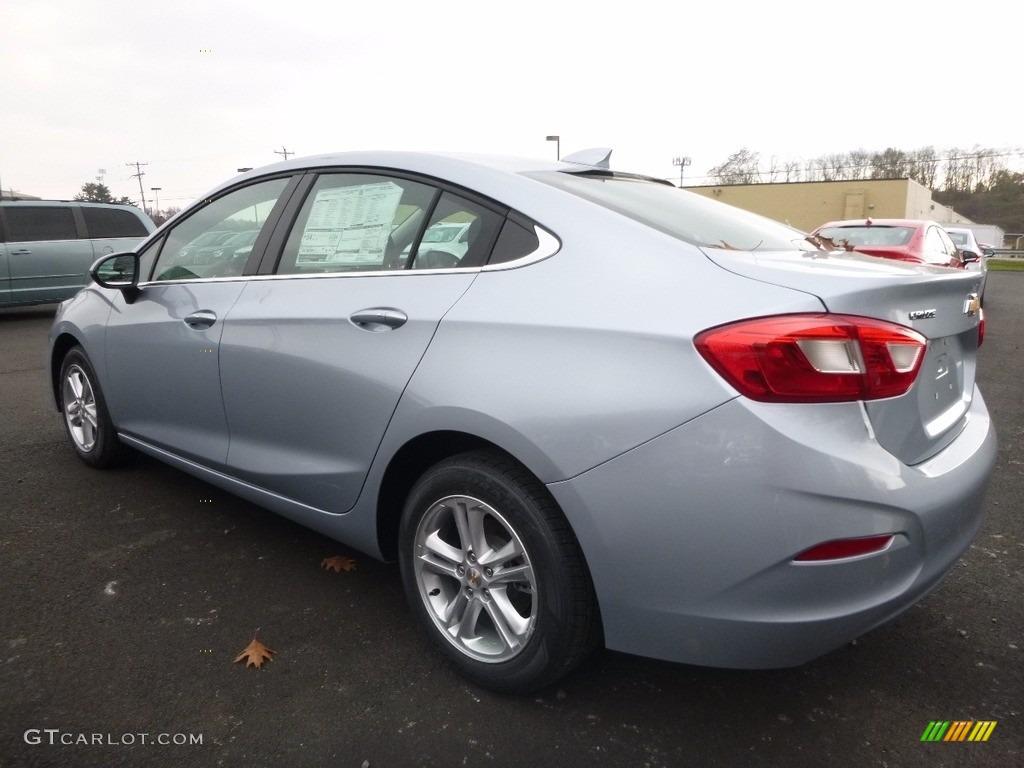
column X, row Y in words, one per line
column 338, row 563
column 255, row 654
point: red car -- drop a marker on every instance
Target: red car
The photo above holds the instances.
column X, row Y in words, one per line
column 923, row 242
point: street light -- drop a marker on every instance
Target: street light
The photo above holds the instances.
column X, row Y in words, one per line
column 156, row 192
column 682, row 162
column 558, row 146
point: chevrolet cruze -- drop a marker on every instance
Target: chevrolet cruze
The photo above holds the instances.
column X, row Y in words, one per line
column 625, row 415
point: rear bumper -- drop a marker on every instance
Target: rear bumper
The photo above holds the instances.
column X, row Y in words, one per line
column 690, row 537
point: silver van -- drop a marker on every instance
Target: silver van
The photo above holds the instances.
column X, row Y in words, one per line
column 47, row 246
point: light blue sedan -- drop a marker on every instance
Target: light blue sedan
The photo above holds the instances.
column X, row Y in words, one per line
column 625, row 415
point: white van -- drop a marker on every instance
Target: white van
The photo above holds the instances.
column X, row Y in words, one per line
column 47, row 246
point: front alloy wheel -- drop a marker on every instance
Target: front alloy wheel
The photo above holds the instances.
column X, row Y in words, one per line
column 86, row 418
column 80, row 408
column 494, row 573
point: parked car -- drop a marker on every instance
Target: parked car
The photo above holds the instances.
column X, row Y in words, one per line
column 920, row 242
column 206, row 240
column 629, row 415
column 47, row 246
column 238, row 246
column 972, row 253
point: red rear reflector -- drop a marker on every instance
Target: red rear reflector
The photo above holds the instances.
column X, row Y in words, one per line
column 819, row 358
column 843, row 548
column 981, row 327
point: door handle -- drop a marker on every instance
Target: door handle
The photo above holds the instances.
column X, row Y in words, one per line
column 21, row 252
column 379, row 319
column 201, row 320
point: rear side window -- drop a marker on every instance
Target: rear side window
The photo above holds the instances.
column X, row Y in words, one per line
column 459, row 234
column 350, row 221
column 112, row 222
column 39, row 222
column 514, row 242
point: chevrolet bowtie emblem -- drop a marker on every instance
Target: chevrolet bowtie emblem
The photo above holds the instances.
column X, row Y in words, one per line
column 972, row 304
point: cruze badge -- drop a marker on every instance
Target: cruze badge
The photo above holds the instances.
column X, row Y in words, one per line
column 972, row 304
column 922, row 314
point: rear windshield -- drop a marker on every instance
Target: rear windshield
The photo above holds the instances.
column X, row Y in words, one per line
column 677, row 212
column 876, row 234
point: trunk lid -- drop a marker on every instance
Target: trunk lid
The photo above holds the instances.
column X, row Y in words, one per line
column 938, row 302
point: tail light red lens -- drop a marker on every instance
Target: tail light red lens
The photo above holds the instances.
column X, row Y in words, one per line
column 820, row 358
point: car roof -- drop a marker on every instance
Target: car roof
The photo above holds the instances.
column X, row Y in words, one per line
column 912, row 223
column 66, row 203
column 499, row 177
column 430, row 163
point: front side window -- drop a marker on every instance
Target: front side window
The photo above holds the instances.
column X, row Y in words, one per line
column 938, row 248
column 33, row 223
column 191, row 251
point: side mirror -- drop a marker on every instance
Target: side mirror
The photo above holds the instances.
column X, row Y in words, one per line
column 989, row 251
column 968, row 256
column 119, row 271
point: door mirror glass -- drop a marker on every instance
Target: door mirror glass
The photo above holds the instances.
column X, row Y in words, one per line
column 119, row 271
column 116, row 271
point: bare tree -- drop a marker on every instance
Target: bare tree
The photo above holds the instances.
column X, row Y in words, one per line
column 859, row 164
column 959, row 171
column 891, row 163
column 742, row 167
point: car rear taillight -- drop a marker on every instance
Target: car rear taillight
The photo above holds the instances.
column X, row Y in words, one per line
column 981, row 327
column 818, row 358
column 840, row 549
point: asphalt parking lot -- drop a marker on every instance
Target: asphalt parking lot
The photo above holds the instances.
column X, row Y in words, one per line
column 125, row 597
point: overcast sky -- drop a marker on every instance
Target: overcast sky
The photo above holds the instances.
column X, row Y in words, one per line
column 199, row 89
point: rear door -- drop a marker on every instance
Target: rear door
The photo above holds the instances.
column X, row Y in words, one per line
column 114, row 229
column 315, row 357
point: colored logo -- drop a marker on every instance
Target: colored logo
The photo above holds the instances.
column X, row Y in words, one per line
column 958, row 730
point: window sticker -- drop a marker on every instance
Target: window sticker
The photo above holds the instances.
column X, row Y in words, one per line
column 350, row 225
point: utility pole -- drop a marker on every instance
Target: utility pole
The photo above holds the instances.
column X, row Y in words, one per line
column 139, row 173
column 283, row 152
column 681, row 162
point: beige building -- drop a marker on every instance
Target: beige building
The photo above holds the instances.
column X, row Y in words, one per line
column 807, row 205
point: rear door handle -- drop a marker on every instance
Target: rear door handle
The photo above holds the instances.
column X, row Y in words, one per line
column 379, row 319
column 21, row 252
column 201, row 320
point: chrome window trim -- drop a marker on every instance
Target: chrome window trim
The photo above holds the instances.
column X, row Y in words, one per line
column 548, row 246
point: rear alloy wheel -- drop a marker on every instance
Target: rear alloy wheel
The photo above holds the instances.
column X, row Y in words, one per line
column 86, row 419
column 495, row 575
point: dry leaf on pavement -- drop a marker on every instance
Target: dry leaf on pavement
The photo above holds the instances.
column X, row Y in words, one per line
column 338, row 563
column 255, row 654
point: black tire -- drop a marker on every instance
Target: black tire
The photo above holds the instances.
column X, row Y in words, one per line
column 86, row 418
column 531, row 618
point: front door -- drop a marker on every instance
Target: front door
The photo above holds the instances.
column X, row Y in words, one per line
column 163, row 349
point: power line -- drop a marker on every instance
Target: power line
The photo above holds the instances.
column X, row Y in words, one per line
column 284, row 152
column 139, row 173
